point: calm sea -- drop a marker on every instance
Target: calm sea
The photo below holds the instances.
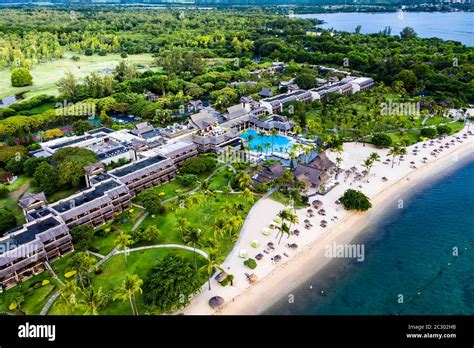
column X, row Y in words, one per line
column 458, row 26
column 408, row 252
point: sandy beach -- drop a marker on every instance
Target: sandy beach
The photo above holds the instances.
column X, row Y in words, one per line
column 276, row 280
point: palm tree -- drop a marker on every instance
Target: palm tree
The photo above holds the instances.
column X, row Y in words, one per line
column 259, row 149
column 267, row 146
column 283, row 229
column 193, row 236
column 248, row 196
column 283, row 215
column 68, row 295
column 93, row 300
column 273, row 133
column 213, row 261
column 81, row 263
column 130, row 286
column 182, row 225
column 373, row 157
column 394, row 151
column 193, row 200
column 292, row 219
column 220, row 225
column 243, row 180
column 122, row 242
column 402, row 151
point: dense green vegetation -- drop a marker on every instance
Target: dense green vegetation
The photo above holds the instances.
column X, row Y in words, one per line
column 355, row 200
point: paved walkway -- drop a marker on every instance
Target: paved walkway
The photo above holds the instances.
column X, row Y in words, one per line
column 114, row 252
column 16, row 194
column 140, row 220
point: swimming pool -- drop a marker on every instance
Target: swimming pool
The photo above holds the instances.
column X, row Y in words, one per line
column 281, row 143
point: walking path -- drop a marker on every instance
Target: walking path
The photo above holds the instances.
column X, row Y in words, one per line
column 114, row 252
column 16, row 194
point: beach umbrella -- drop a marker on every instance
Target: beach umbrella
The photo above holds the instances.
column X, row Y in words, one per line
column 337, row 202
column 259, row 257
column 296, row 232
column 384, row 178
column 324, row 222
column 310, row 211
column 307, row 221
column 221, row 277
column 277, row 258
column 317, row 203
column 216, row 301
column 354, row 169
column 252, row 278
column 412, row 162
column 270, row 244
column 365, row 172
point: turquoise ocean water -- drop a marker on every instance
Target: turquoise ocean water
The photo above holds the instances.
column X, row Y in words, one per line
column 407, row 251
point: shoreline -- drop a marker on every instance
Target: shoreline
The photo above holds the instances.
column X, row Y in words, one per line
column 310, row 260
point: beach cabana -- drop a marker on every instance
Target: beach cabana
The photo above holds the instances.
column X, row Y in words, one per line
column 243, row 253
column 215, row 302
column 255, row 243
column 266, row 231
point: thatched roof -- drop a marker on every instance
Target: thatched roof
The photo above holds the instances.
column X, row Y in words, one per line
column 216, row 301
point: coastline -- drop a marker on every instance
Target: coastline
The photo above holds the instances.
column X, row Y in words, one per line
column 310, row 259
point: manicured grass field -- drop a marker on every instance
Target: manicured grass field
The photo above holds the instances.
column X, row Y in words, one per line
column 115, row 270
column 45, row 75
column 34, row 298
column 221, row 179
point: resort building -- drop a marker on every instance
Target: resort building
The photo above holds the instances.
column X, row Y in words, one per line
column 174, row 130
column 203, row 119
column 178, row 152
column 214, row 138
column 361, row 84
column 268, row 173
column 315, row 173
column 280, row 123
column 25, row 251
column 94, row 206
column 275, row 104
column 145, row 173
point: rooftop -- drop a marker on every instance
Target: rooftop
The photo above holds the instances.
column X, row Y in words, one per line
column 85, row 196
column 28, row 233
column 125, row 170
column 71, row 142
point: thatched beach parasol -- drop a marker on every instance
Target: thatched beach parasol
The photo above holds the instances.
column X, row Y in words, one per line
column 216, row 301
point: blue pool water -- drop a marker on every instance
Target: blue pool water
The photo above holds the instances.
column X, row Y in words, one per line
column 281, row 143
column 407, row 251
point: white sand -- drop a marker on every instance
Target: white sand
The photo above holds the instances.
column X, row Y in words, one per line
column 277, row 280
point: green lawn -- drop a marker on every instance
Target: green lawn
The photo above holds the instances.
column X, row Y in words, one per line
column 45, row 75
column 34, row 298
column 279, row 197
column 105, row 243
column 116, row 269
column 411, row 136
column 221, row 179
column 435, row 120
